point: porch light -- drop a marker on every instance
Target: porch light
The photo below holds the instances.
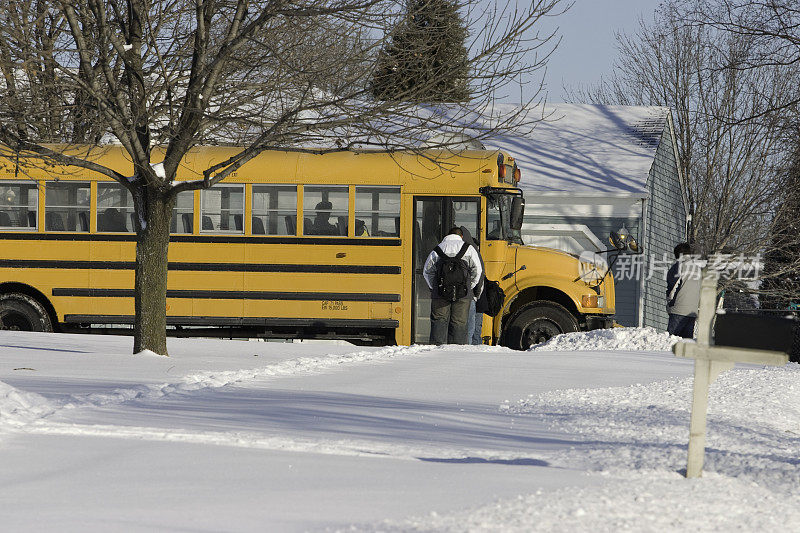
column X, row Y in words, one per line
column 624, row 234
column 622, row 240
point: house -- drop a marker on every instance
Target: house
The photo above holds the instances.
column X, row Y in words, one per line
column 588, row 170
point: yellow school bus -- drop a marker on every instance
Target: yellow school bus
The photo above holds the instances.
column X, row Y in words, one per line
column 292, row 245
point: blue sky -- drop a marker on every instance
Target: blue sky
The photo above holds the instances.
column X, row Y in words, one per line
column 587, row 49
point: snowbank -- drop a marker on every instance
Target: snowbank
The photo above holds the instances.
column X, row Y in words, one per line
column 753, row 421
column 641, row 502
column 632, row 339
column 633, row 440
column 18, row 407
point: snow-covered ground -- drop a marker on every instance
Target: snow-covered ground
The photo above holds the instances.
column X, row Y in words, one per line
column 585, row 434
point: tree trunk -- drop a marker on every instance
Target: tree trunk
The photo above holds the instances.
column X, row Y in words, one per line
column 150, row 325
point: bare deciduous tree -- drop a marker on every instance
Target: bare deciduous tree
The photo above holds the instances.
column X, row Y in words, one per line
column 780, row 280
column 728, row 165
column 772, row 29
column 29, row 61
column 288, row 74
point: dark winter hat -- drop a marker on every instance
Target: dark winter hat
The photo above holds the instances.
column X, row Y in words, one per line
column 467, row 236
column 683, row 248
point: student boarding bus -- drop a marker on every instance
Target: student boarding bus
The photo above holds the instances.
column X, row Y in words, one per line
column 292, row 245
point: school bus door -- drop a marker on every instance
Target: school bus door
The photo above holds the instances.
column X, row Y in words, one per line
column 433, row 218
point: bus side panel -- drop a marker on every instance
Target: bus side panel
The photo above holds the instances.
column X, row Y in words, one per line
column 44, row 272
column 110, row 252
column 317, row 273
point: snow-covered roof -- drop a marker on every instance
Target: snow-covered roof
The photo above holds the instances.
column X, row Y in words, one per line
column 580, row 150
column 587, row 149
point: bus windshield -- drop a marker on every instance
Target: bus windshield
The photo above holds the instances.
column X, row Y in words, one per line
column 498, row 218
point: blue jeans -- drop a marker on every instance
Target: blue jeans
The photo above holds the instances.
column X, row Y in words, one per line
column 474, row 324
column 682, row 326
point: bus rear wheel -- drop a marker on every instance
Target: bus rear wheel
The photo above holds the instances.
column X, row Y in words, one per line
column 20, row 312
column 538, row 324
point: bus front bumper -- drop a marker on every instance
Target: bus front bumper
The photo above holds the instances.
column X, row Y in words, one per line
column 599, row 322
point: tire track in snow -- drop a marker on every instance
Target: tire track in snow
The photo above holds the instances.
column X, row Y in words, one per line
column 19, row 408
column 39, row 424
column 253, row 440
column 223, row 378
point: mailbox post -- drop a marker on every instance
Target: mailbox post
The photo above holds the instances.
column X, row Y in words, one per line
column 709, row 361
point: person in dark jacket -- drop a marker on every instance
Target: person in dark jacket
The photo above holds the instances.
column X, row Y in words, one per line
column 683, row 292
column 321, row 224
column 475, row 320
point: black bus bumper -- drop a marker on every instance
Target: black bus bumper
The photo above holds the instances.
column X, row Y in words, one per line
column 599, row 322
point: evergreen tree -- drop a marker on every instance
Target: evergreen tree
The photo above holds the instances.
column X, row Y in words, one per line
column 781, row 279
column 426, row 58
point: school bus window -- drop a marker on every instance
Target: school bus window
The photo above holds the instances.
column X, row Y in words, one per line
column 274, row 210
column 222, row 209
column 115, row 211
column 377, row 212
column 465, row 213
column 498, row 217
column 183, row 213
column 18, row 205
column 325, row 210
column 66, row 206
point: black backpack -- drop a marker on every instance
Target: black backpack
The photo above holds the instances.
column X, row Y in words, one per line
column 452, row 274
column 492, row 298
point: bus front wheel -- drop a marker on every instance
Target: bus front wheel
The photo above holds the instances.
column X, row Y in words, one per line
column 537, row 324
column 20, row 312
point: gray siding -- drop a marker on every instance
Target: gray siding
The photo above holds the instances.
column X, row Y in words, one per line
column 665, row 217
column 627, row 291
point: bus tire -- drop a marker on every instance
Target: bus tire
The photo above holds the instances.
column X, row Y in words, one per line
column 537, row 324
column 20, row 312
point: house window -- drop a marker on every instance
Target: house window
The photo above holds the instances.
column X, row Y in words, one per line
column 66, row 206
column 377, row 212
column 274, row 210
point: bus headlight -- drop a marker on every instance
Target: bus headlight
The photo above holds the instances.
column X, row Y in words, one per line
column 593, row 300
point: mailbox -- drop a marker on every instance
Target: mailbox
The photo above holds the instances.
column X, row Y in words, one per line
column 755, row 331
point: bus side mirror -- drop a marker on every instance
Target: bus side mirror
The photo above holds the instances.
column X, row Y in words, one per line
column 517, row 212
